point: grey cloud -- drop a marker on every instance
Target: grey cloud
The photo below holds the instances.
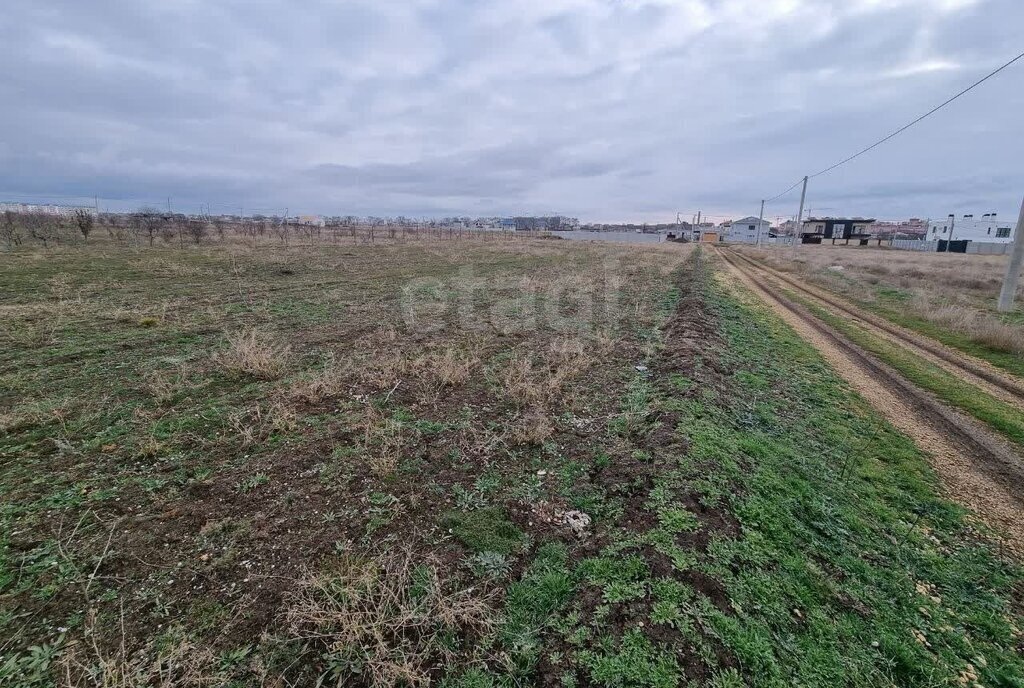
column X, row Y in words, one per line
column 600, row 108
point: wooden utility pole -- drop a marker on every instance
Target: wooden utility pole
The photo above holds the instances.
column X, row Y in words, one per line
column 760, row 219
column 1009, row 290
column 799, row 215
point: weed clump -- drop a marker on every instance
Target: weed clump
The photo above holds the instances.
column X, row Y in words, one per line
column 382, row 442
column 387, row 620
column 254, row 352
column 485, row 530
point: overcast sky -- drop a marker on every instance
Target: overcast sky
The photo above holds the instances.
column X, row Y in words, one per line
column 603, row 109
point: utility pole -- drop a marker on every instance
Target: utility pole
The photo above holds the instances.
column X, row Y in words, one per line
column 799, row 215
column 760, row 219
column 1009, row 290
column 169, row 205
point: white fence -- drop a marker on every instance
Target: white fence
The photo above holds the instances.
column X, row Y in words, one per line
column 985, row 248
column 915, row 245
column 982, row 248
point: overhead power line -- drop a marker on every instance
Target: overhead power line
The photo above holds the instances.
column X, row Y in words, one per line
column 902, row 129
column 778, row 196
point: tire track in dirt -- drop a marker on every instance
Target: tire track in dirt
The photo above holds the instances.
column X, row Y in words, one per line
column 977, row 372
column 978, row 469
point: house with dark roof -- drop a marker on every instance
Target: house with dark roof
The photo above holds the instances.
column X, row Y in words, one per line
column 815, row 230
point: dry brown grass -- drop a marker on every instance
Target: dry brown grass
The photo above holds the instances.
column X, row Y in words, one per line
column 390, row 614
column 955, row 291
column 377, row 367
column 535, row 378
column 534, row 426
column 173, row 664
column 164, row 385
column 447, row 367
column 16, row 418
column 382, row 440
column 257, row 423
column 977, row 277
column 535, row 381
column 979, row 327
column 254, row 352
column 329, row 382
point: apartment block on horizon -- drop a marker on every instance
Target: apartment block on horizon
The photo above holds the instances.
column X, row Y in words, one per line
column 47, row 208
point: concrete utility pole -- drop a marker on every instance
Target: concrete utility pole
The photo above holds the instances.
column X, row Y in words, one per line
column 799, row 215
column 760, row 219
column 1009, row 290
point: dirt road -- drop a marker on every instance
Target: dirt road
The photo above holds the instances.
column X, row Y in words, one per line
column 982, row 374
column 978, row 468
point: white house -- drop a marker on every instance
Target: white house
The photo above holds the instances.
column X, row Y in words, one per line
column 988, row 228
column 311, row 220
column 745, row 230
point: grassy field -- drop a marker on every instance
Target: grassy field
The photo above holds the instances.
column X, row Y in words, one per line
column 998, row 415
column 949, row 297
column 470, row 463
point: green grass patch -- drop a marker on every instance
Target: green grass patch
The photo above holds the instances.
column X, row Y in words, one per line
column 851, row 569
column 485, row 530
column 1008, row 361
column 996, row 414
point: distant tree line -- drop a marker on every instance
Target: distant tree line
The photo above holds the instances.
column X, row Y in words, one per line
column 150, row 226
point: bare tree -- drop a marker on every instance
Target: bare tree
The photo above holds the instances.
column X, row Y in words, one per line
column 219, row 225
column 282, row 231
column 252, row 230
column 117, row 228
column 147, row 223
column 196, row 230
column 85, row 221
column 42, row 227
column 168, row 228
column 10, row 230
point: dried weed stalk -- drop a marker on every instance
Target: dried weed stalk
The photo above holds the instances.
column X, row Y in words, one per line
column 254, row 352
column 390, row 615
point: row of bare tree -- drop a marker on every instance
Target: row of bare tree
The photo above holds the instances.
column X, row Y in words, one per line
column 45, row 228
column 147, row 226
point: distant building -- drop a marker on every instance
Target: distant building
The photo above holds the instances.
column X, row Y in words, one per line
column 987, row 228
column 710, row 236
column 787, row 228
column 818, row 229
column 914, row 228
column 47, row 209
column 311, row 220
column 548, row 223
column 705, row 228
column 746, row 230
